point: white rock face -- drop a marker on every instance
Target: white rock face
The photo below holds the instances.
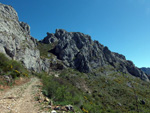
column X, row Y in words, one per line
column 16, row 42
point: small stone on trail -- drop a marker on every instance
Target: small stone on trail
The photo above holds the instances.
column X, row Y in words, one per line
column 47, row 99
column 53, row 111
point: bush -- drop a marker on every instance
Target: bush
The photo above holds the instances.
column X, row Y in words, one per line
column 11, row 67
column 4, row 62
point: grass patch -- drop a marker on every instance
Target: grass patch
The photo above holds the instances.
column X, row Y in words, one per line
column 45, row 48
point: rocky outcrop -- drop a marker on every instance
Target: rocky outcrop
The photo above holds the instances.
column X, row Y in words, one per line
column 25, row 28
column 16, row 42
column 50, row 38
column 78, row 51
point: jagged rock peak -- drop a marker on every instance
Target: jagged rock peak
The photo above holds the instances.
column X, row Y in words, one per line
column 78, row 51
column 8, row 12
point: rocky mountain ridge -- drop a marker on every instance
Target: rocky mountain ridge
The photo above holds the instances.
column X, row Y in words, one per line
column 146, row 70
column 73, row 49
column 78, row 51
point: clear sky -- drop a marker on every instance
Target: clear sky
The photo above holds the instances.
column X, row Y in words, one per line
column 122, row 25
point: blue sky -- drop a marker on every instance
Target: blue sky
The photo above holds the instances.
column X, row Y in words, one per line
column 122, row 25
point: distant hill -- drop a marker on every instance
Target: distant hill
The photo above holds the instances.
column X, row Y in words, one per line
column 146, row 70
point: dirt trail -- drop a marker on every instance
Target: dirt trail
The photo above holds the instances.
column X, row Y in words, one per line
column 20, row 99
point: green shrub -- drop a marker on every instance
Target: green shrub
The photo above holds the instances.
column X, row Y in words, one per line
column 11, row 67
column 4, row 62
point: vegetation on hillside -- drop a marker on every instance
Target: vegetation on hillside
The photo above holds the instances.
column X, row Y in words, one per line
column 115, row 93
column 44, row 50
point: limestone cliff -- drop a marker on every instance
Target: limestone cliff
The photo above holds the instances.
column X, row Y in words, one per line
column 16, row 42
